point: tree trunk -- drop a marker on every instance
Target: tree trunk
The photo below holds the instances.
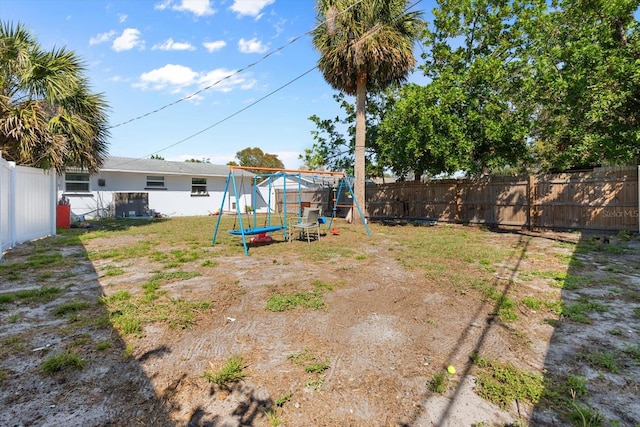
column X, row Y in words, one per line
column 359, row 166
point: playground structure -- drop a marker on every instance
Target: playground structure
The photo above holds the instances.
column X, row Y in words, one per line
column 338, row 180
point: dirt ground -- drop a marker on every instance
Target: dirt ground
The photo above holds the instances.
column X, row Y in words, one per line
column 385, row 331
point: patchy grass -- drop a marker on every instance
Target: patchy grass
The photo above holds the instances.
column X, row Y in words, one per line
column 231, row 371
column 42, row 294
column 70, row 307
column 66, row 361
column 502, row 383
column 313, row 299
column 579, row 310
column 128, row 313
column 602, row 360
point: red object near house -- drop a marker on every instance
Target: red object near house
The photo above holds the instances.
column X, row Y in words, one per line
column 63, row 216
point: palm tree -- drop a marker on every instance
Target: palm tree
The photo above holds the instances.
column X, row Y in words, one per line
column 49, row 118
column 364, row 45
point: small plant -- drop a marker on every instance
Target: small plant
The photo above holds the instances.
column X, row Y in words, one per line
column 44, row 276
column 41, row 294
column 128, row 351
column 361, row 257
column 70, row 307
column 231, row 371
column 634, row 352
column 584, row 416
column 273, row 417
column 103, row 345
column 14, row 318
column 113, row 271
column 577, row 384
column 577, row 311
column 317, row 367
column 624, row 235
column 315, row 384
column 602, row 360
column 209, row 263
column 439, row 382
column 503, row 383
column 81, row 340
column 284, row 301
column 280, row 401
column 65, row 361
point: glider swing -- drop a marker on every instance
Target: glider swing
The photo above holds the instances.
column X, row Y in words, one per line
column 270, row 175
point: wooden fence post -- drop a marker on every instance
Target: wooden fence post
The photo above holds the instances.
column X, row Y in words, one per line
column 531, row 214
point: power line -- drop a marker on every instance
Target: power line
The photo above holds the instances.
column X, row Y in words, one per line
column 251, row 104
column 185, row 98
column 238, row 111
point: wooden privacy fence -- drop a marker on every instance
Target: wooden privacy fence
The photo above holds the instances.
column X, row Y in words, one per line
column 602, row 199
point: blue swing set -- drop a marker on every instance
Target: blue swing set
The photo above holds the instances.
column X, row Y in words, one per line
column 270, row 176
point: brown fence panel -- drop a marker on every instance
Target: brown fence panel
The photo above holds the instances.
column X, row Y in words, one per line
column 602, row 199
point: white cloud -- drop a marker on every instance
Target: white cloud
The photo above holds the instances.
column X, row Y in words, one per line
column 180, row 79
column 225, row 80
column 169, row 44
column 122, row 18
column 250, row 7
column 129, row 39
column 214, row 46
column 170, row 76
column 252, row 46
column 162, row 5
column 101, row 38
column 197, row 7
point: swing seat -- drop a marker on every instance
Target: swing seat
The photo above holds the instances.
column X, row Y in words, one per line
column 257, row 230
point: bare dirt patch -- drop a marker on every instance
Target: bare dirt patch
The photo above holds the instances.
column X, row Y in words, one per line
column 394, row 310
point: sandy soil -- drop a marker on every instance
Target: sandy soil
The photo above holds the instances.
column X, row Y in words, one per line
column 385, row 332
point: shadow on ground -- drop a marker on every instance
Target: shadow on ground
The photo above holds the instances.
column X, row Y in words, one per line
column 62, row 362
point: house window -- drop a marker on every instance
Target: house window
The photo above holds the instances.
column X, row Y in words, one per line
column 199, row 187
column 155, row 181
column 76, row 181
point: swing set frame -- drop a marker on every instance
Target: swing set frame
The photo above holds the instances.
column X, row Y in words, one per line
column 271, row 174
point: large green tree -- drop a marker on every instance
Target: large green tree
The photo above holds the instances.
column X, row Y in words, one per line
column 586, row 55
column 479, row 73
column 49, row 117
column 422, row 134
column 255, row 157
column 364, row 46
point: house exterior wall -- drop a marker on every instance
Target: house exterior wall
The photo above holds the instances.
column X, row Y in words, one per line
column 175, row 199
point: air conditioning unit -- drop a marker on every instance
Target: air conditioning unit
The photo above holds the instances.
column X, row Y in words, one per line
column 101, row 182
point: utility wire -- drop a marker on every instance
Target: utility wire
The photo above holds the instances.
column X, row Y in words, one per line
column 238, row 111
column 248, row 106
column 185, row 98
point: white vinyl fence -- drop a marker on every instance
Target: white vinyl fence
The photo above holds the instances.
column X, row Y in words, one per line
column 27, row 204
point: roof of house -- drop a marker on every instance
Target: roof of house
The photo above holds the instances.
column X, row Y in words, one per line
column 165, row 167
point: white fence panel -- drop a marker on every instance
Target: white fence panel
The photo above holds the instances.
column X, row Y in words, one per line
column 27, row 204
column 6, row 177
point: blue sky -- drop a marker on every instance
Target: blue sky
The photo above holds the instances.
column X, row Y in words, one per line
column 147, row 54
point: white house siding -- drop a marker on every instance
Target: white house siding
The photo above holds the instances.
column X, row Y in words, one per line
column 175, row 200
